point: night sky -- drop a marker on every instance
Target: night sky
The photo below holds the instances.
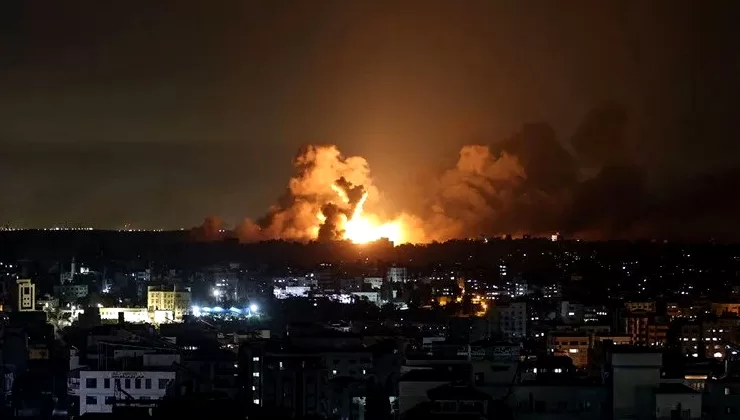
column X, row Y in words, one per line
column 159, row 113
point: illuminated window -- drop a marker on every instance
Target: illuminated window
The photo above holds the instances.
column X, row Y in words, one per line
column 573, row 350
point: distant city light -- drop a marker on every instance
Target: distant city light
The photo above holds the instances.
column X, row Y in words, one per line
column 253, row 308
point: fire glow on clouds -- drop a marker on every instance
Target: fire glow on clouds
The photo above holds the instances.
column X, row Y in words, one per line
column 332, row 197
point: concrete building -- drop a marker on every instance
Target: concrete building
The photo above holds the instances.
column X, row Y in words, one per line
column 552, row 291
column 375, row 283
column 722, row 398
column 559, row 401
column 510, row 320
column 571, row 312
column 576, row 346
column 673, row 400
column 397, row 275
column 71, row 292
column 100, row 390
column 26, row 295
column 177, row 301
column 640, row 307
column 634, row 375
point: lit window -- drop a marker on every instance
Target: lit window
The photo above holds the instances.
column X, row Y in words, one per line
column 254, row 387
column 256, row 401
column 573, row 350
column 558, row 370
column 255, row 359
column 334, row 372
column 256, row 374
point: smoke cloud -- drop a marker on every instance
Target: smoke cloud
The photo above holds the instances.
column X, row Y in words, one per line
column 591, row 186
column 321, row 196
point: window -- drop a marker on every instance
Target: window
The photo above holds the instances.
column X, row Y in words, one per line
column 106, row 383
column 256, row 374
column 147, row 383
column 110, row 400
column 127, row 383
column 91, row 383
column 728, row 391
column 255, row 359
column 163, row 383
column 118, row 384
column 91, row 400
column 137, row 383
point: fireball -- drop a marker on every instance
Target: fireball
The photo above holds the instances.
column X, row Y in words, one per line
column 361, row 228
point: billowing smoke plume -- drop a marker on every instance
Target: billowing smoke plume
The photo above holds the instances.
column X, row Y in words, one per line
column 321, row 197
column 592, row 186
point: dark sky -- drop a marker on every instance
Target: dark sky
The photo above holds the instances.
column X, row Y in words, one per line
column 158, row 113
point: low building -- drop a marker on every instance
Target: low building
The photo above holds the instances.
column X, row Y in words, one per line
column 179, row 301
column 99, row 391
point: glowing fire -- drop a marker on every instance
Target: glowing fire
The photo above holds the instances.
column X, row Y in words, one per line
column 362, row 228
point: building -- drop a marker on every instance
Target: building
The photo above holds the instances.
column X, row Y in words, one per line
column 99, row 391
column 645, row 331
column 640, row 307
column 575, row 346
column 351, row 284
column 397, row 275
column 519, row 288
column 136, row 315
column 375, row 283
column 510, row 320
column 571, row 312
column 26, row 295
column 71, row 292
column 226, row 287
column 722, row 398
column 177, row 301
column 552, row 291
column 720, row 309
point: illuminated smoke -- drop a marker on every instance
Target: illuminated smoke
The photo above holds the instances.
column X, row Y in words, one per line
column 527, row 183
column 320, row 198
column 474, row 192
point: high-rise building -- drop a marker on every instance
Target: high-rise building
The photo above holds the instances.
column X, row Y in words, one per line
column 397, row 275
column 26, row 295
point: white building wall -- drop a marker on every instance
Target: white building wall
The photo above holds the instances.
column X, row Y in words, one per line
column 635, row 375
column 98, row 389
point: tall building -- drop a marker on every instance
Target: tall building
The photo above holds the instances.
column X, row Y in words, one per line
column 166, row 299
column 26, row 295
column 510, row 320
column 397, row 275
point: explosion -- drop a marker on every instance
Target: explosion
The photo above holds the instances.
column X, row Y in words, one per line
column 362, row 229
column 528, row 183
column 328, row 199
